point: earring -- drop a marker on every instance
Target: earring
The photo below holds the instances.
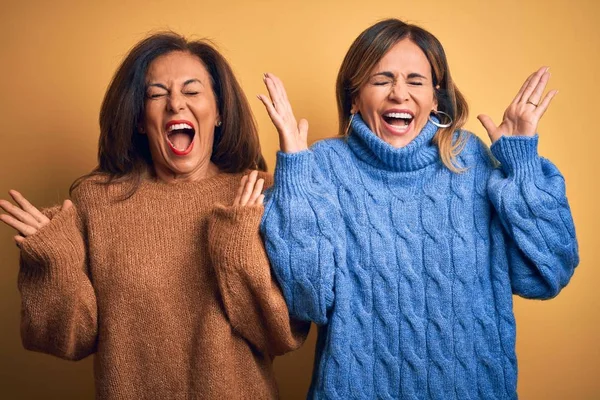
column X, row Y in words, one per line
column 438, row 124
column 219, row 123
column 349, row 124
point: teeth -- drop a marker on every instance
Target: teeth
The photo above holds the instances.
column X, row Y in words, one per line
column 175, row 127
column 398, row 115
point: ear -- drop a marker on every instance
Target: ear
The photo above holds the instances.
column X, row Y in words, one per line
column 141, row 129
column 435, row 101
column 354, row 109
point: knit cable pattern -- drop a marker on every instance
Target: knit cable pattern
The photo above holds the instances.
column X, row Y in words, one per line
column 410, row 268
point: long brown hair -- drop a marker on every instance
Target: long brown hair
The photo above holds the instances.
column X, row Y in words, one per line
column 370, row 47
column 124, row 153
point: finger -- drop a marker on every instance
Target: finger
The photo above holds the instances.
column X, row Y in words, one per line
column 303, row 128
column 275, row 92
column 27, row 206
column 238, row 196
column 519, row 95
column 249, row 188
column 280, row 99
column 536, row 95
column 541, row 109
column 489, row 126
column 67, row 204
column 280, row 86
column 19, row 214
column 21, row 227
column 273, row 114
column 277, row 85
column 275, row 117
column 533, row 82
column 256, row 192
column 271, row 87
column 261, row 199
column 19, row 240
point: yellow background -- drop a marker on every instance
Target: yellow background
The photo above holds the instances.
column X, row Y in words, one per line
column 58, row 58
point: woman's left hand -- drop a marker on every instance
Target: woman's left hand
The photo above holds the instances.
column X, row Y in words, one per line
column 523, row 114
column 250, row 191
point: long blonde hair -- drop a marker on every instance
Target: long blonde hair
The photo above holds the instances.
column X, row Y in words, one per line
column 370, row 47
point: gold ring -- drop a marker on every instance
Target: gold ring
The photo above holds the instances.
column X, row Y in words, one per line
column 532, row 103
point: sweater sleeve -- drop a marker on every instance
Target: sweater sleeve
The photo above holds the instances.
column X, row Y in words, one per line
column 304, row 235
column 528, row 194
column 252, row 298
column 59, row 314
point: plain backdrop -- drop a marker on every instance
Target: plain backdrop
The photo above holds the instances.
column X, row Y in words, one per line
column 58, row 57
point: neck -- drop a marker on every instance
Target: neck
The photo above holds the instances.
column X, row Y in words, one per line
column 419, row 153
column 204, row 171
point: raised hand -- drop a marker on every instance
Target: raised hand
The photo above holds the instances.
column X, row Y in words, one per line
column 250, row 191
column 292, row 135
column 523, row 114
column 24, row 217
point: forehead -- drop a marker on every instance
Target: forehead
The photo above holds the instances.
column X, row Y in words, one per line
column 404, row 56
column 175, row 66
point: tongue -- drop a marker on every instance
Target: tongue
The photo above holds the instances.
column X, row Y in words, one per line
column 396, row 121
column 180, row 141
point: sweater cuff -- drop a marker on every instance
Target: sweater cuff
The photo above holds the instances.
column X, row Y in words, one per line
column 517, row 155
column 293, row 172
column 54, row 249
column 232, row 234
column 244, row 216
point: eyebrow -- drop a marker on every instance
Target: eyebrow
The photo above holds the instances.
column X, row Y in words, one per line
column 160, row 85
column 388, row 74
column 413, row 75
column 192, row 81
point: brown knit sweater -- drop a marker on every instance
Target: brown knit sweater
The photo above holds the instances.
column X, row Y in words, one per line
column 170, row 289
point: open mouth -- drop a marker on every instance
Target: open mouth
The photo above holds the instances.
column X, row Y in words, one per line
column 399, row 121
column 180, row 136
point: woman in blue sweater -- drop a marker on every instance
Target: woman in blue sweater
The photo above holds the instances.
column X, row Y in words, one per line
column 404, row 239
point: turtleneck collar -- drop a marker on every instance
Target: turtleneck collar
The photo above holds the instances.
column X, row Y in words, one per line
column 367, row 146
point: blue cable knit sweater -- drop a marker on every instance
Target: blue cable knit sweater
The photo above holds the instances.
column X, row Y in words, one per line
column 409, row 269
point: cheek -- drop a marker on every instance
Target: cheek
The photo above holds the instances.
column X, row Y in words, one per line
column 151, row 114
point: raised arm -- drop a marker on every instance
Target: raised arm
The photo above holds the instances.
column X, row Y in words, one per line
column 302, row 226
column 253, row 300
column 528, row 193
column 59, row 314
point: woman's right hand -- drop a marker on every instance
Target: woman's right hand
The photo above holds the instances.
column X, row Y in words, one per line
column 250, row 191
column 292, row 135
column 24, row 217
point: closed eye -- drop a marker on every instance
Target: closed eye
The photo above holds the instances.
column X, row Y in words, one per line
column 382, row 83
column 156, row 95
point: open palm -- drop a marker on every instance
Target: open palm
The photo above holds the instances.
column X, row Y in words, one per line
column 522, row 116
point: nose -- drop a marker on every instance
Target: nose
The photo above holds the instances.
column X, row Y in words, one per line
column 175, row 103
column 399, row 92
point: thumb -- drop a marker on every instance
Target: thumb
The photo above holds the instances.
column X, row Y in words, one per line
column 303, row 128
column 489, row 126
column 67, row 204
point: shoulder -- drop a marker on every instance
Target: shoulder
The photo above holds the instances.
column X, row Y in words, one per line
column 331, row 149
column 323, row 145
column 474, row 150
column 99, row 189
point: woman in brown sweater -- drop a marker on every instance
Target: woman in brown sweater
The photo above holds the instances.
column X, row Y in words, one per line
column 156, row 266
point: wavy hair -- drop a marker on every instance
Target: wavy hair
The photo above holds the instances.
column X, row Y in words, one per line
column 124, row 153
column 370, row 47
